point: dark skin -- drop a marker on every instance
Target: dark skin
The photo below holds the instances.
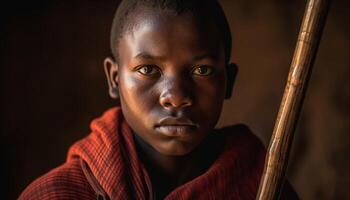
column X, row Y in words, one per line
column 172, row 79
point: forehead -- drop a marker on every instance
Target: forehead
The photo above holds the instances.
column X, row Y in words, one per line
column 168, row 35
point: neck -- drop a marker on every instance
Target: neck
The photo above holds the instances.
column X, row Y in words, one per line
column 159, row 165
column 176, row 170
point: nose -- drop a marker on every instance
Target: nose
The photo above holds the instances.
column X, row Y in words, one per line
column 175, row 95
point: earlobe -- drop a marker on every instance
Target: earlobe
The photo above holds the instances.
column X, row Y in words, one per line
column 232, row 70
column 111, row 71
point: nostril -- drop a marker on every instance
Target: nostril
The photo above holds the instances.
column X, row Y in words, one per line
column 174, row 105
column 167, row 104
column 173, row 101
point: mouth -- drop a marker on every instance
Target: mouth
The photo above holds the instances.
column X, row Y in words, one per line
column 174, row 127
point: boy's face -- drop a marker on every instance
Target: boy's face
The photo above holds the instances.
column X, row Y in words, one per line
column 171, row 76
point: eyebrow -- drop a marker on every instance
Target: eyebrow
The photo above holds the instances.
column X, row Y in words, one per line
column 147, row 56
column 214, row 57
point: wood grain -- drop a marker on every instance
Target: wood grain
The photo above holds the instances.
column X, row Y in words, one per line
column 304, row 55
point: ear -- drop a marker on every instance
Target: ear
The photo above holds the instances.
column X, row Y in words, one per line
column 111, row 71
column 231, row 72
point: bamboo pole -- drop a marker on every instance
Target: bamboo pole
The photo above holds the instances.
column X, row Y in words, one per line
column 304, row 55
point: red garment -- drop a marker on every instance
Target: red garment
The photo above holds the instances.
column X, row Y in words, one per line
column 105, row 165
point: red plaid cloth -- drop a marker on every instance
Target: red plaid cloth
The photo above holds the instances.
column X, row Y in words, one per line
column 105, row 165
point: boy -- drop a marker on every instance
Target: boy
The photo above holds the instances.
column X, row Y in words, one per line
column 171, row 73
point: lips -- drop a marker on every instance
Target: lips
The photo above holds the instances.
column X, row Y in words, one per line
column 171, row 126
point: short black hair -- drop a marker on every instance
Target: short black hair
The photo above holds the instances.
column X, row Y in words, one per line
column 126, row 8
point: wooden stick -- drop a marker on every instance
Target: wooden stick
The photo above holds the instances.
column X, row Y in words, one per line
column 304, row 55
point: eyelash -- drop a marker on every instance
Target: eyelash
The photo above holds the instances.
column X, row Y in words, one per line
column 155, row 70
column 208, row 72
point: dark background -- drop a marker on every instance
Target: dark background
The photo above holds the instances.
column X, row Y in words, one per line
column 52, row 85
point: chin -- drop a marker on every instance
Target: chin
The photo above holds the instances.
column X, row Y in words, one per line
column 175, row 148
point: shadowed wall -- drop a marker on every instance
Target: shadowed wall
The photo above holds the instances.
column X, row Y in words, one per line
column 52, row 85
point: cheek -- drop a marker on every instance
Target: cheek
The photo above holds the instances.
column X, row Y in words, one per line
column 136, row 94
column 210, row 98
column 212, row 90
column 137, row 101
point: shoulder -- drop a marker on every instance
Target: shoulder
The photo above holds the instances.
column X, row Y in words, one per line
column 243, row 147
column 240, row 135
column 250, row 153
column 64, row 182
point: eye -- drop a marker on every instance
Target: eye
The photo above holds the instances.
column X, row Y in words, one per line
column 202, row 70
column 148, row 70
